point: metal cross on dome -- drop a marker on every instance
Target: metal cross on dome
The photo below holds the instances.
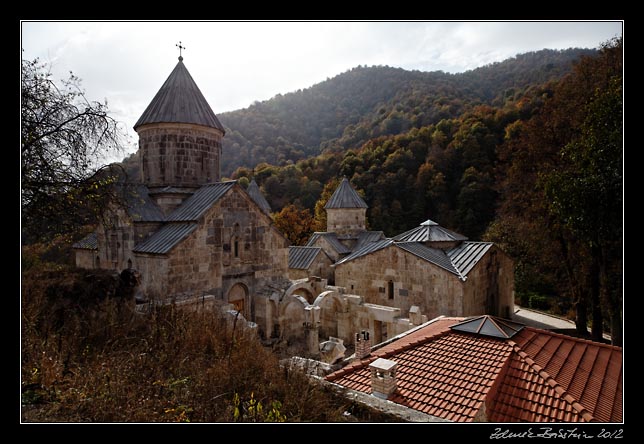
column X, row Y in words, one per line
column 180, row 48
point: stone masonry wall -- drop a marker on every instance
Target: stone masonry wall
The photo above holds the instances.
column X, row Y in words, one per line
column 86, row 258
column 180, row 155
column 414, row 282
column 234, row 243
column 346, row 220
column 321, row 267
column 490, row 286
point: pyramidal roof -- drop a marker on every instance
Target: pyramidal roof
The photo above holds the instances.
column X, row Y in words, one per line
column 179, row 101
column 345, row 197
column 489, row 326
column 256, row 195
column 429, row 231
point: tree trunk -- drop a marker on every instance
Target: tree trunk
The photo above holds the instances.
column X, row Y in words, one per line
column 597, row 332
column 580, row 301
column 581, row 314
column 611, row 296
column 616, row 326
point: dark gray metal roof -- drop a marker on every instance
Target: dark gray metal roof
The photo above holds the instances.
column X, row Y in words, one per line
column 202, row 199
column 256, row 195
column 179, row 101
column 89, row 242
column 489, row 326
column 429, row 231
column 466, row 256
column 170, row 190
column 433, row 255
column 140, row 206
column 345, row 197
column 163, row 240
column 368, row 236
column 332, row 238
column 366, row 249
column 301, row 258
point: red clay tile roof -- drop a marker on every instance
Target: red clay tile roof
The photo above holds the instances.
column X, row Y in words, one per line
column 536, row 376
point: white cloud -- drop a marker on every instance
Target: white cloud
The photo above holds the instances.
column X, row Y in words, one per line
column 235, row 63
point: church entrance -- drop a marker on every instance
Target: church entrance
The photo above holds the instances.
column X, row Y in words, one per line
column 238, row 297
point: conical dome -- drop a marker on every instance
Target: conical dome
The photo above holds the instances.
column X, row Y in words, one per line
column 179, row 101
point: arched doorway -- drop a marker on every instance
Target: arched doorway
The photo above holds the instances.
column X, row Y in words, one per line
column 238, row 296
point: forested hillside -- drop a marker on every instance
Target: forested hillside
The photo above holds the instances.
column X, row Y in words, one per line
column 538, row 170
column 367, row 102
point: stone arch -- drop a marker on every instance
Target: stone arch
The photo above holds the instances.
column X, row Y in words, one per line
column 331, row 305
column 306, row 294
column 302, row 288
column 238, row 296
column 292, row 317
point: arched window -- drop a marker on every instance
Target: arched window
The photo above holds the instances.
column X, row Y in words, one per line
column 129, row 264
column 390, row 290
column 234, row 241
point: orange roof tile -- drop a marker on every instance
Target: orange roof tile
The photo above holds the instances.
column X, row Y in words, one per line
column 536, row 376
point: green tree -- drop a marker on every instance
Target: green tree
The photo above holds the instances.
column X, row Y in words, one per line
column 562, row 188
column 585, row 194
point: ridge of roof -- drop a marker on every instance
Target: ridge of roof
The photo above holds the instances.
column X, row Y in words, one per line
column 552, row 382
column 385, row 352
column 257, row 196
column 165, row 238
column 200, row 201
column 301, row 257
column 573, row 338
column 368, row 248
column 432, row 255
column 511, row 381
column 345, row 196
column 429, row 231
column 492, row 326
column 332, row 239
column 179, row 100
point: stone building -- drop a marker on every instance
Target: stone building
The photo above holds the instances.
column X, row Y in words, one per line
column 429, row 270
column 194, row 238
column 187, row 233
column 346, row 219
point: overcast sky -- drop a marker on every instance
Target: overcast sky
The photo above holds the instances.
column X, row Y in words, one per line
column 236, row 63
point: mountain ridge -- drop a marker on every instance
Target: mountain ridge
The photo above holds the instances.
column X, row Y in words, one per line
column 345, row 111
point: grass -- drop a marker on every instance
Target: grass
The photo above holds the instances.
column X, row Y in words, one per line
column 88, row 357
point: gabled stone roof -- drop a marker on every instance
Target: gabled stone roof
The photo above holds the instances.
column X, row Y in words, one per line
column 166, row 238
column 255, row 194
column 301, row 258
column 89, row 242
column 179, row 101
column 345, row 197
column 202, row 200
column 459, row 261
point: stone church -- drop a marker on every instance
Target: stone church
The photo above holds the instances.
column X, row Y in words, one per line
column 192, row 238
column 187, row 233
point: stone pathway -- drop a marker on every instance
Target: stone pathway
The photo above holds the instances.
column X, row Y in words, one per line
column 540, row 320
column 546, row 321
